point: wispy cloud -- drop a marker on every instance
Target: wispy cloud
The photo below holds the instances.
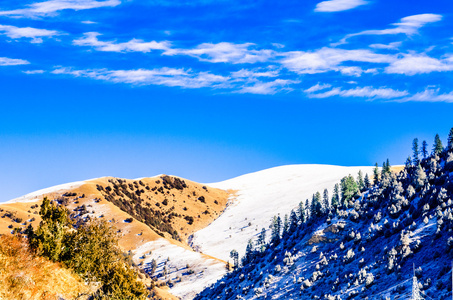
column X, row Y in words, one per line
column 135, row 45
column 244, row 73
column 330, row 59
column 268, row 88
column 226, row 53
column 34, row 34
column 413, row 63
column 5, row 61
column 361, row 92
column 52, row 7
column 430, row 95
column 408, row 26
column 318, row 87
column 338, row 5
column 31, row 72
column 390, row 46
column 163, row 76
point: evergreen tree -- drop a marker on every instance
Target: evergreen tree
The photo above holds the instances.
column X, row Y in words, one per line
column 316, row 207
column 367, row 182
column 450, row 140
column 336, row 197
column 425, row 149
column 276, row 229
column 376, row 174
column 301, row 212
column 286, row 225
column 387, row 166
column 408, row 163
column 325, row 200
column 293, row 221
column 249, row 253
column 437, row 147
column 262, row 237
column 415, row 151
column 360, row 182
column 348, row 189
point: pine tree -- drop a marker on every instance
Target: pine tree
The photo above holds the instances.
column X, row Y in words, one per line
column 293, row 221
column 360, row 182
column 348, row 189
column 316, row 207
column 415, row 151
column 301, row 213
column 376, row 174
column 408, row 163
column 262, row 237
column 286, row 225
column 325, row 200
column 249, row 255
column 450, row 140
column 425, row 149
column 336, row 196
column 387, row 166
column 437, row 147
column 367, row 181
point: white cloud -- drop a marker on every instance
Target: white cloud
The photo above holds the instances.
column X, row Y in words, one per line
column 412, row 64
column 5, row 61
column 163, row 76
column 30, row 72
column 34, row 34
column 330, row 59
column 134, row 45
column 268, row 88
column 244, row 73
column 225, row 52
column 51, row 7
column 338, row 5
column 318, row 87
column 362, row 92
column 88, row 22
column 408, row 26
column 430, row 95
column 391, row 46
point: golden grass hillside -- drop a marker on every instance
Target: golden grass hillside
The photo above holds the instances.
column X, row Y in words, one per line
column 28, row 277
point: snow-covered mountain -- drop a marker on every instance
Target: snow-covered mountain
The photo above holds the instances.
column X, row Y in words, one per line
column 368, row 247
column 260, row 196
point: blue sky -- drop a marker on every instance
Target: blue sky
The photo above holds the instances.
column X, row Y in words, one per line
column 209, row 90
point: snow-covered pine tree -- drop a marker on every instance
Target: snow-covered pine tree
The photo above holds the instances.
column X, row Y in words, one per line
column 376, row 174
column 325, row 201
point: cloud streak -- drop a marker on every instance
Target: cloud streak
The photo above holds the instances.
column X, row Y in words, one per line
column 338, row 5
column 408, row 26
column 164, row 76
column 360, row 92
column 135, row 45
column 5, row 61
column 34, row 34
column 52, row 7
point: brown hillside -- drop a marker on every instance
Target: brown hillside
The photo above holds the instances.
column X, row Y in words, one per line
column 25, row 276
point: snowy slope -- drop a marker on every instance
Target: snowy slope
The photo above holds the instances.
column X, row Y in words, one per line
column 261, row 196
column 35, row 196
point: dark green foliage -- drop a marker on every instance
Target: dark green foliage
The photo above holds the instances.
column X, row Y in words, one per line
column 325, row 200
column 316, row 206
column 415, row 151
column 348, row 189
column 425, row 149
column 376, row 174
column 336, row 196
column 91, row 251
column 367, row 182
column 437, row 147
column 450, row 140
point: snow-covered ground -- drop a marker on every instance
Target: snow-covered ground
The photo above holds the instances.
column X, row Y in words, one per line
column 190, row 271
column 261, row 196
column 54, row 189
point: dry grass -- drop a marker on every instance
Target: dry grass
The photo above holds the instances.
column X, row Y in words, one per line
column 25, row 276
